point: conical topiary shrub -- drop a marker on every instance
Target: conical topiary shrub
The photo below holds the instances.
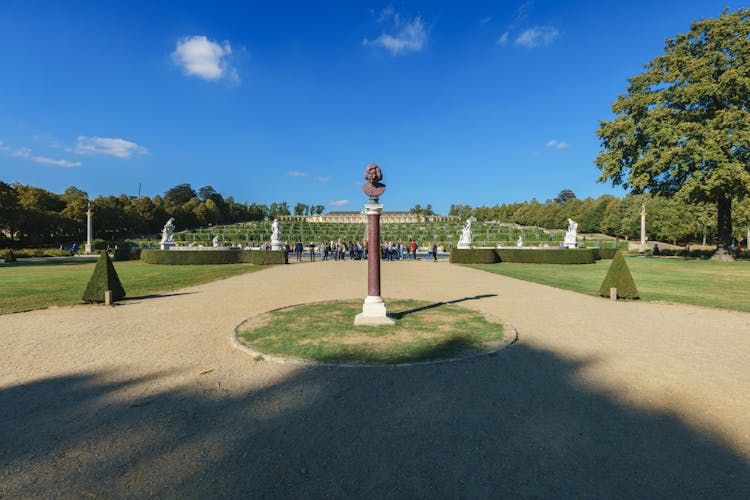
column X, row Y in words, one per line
column 104, row 278
column 619, row 277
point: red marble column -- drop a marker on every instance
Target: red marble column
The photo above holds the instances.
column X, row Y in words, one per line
column 373, row 253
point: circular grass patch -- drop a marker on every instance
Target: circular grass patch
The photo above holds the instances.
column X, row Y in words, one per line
column 325, row 332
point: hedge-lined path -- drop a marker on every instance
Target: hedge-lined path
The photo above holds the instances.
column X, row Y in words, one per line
column 596, row 399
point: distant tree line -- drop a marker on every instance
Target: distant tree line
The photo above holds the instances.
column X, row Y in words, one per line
column 668, row 219
column 32, row 215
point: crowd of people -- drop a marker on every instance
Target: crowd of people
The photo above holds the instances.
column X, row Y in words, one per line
column 340, row 250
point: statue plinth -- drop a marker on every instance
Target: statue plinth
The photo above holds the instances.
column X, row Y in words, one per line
column 277, row 245
column 464, row 246
column 373, row 312
column 166, row 245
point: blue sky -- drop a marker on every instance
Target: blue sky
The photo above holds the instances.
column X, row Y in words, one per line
column 458, row 102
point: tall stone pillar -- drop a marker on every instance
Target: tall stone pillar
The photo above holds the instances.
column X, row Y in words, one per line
column 373, row 211
column 373, row 309
column 643, row 227
column 89, row 231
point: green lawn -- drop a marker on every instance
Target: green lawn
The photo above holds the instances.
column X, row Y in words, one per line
column 722, row 285
column 326, row 332
column 33, row 285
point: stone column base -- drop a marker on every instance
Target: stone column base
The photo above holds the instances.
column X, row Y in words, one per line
column 373, row 313
column 87, row 248
column 166, row 246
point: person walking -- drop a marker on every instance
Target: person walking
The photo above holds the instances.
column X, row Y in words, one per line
column 298, row 248
column 414, row 249
column 434, row 252
column 312, row 251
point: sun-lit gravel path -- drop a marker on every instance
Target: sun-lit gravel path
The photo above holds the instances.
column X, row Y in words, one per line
column 596, row 399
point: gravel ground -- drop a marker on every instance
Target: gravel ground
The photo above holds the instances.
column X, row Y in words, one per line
column 596, row 399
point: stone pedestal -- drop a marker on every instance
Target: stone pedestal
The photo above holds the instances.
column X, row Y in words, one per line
column 464, row 245
column 277, row 245
column 373, row 309
column 373, row 312
column 166, row 245
column 569, row 244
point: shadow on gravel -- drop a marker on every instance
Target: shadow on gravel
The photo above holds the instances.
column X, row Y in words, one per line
column 515, row 424
column 401, row 314
column 157, row 295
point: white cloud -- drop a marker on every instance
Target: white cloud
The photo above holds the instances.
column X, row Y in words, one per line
column 119, row 148
column 26, row 153
column 522, row 12
column 21, row 153
column 297, row 173
column 57, row 163
column 387, row 14
column 503, row 38
column 323, row 178
column 207, row 59
column 555, row 144
column 338, row 203
column 537, row 36
column 485, row 20
column 405, row 37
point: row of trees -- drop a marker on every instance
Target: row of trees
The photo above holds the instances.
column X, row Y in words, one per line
column 32, row 215
column 668, row 219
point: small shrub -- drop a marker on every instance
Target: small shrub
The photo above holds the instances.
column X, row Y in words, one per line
column 122, row 251
column 104, row 278
column 8, row 255
column 618, row 276
column 474, row 256
column 98, row 244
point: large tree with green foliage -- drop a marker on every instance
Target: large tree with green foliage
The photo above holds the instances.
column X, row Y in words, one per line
column 684, row 124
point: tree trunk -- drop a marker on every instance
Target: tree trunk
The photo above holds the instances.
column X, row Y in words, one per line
column 724, row 230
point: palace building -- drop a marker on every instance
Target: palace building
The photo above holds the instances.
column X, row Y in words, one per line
column 360, row 218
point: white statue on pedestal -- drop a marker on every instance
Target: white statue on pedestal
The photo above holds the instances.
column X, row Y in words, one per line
column 465, row 241
column 519, row 243
column 167, row 240
column 215, row 241
column 570, row 235
column 167, row 231
column 276, row 234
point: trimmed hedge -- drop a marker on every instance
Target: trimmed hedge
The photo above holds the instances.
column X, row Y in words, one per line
column 23, row 253
column 199, row 257
column 618, row 276
column 547, row 255
column 697, row 254
column 524, row 255
column 265, row 257
column 474, row 256
column 604, row 253
column 103, row 278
